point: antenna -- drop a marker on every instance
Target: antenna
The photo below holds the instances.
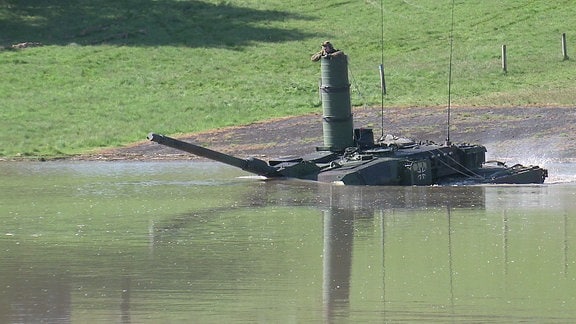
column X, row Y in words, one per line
column 381, row 66
column 450, row 76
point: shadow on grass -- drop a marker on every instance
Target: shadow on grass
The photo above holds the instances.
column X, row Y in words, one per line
column 141, row 23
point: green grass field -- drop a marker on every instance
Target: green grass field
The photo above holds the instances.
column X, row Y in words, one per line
column 111, row 71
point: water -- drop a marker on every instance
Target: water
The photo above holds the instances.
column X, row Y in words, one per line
column 178, row 242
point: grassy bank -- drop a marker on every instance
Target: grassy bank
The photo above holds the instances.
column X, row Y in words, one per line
column 108, row 74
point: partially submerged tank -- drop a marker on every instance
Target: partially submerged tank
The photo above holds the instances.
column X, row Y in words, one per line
column 353, row 157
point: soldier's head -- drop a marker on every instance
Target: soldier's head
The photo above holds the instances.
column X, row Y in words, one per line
column 327, row 46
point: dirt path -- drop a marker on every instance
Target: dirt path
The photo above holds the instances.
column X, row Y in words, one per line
column 526, row 133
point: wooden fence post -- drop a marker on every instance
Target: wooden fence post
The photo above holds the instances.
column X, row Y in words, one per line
column 564, row 51
column 504, row 60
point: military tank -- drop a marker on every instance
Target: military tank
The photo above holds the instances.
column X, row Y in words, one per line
column 352, row 156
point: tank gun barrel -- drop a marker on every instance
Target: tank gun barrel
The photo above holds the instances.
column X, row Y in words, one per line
column 251, row 165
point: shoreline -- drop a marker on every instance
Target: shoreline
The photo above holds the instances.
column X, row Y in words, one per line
column 507, row 132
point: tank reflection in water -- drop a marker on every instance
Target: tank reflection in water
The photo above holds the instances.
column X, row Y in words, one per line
column 180, row 241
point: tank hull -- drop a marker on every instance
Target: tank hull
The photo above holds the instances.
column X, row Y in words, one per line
column 414, row 164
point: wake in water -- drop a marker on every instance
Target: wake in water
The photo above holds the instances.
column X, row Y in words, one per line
column 560, row 172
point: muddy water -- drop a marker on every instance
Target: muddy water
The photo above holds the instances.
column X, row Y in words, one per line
column 150, row 242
